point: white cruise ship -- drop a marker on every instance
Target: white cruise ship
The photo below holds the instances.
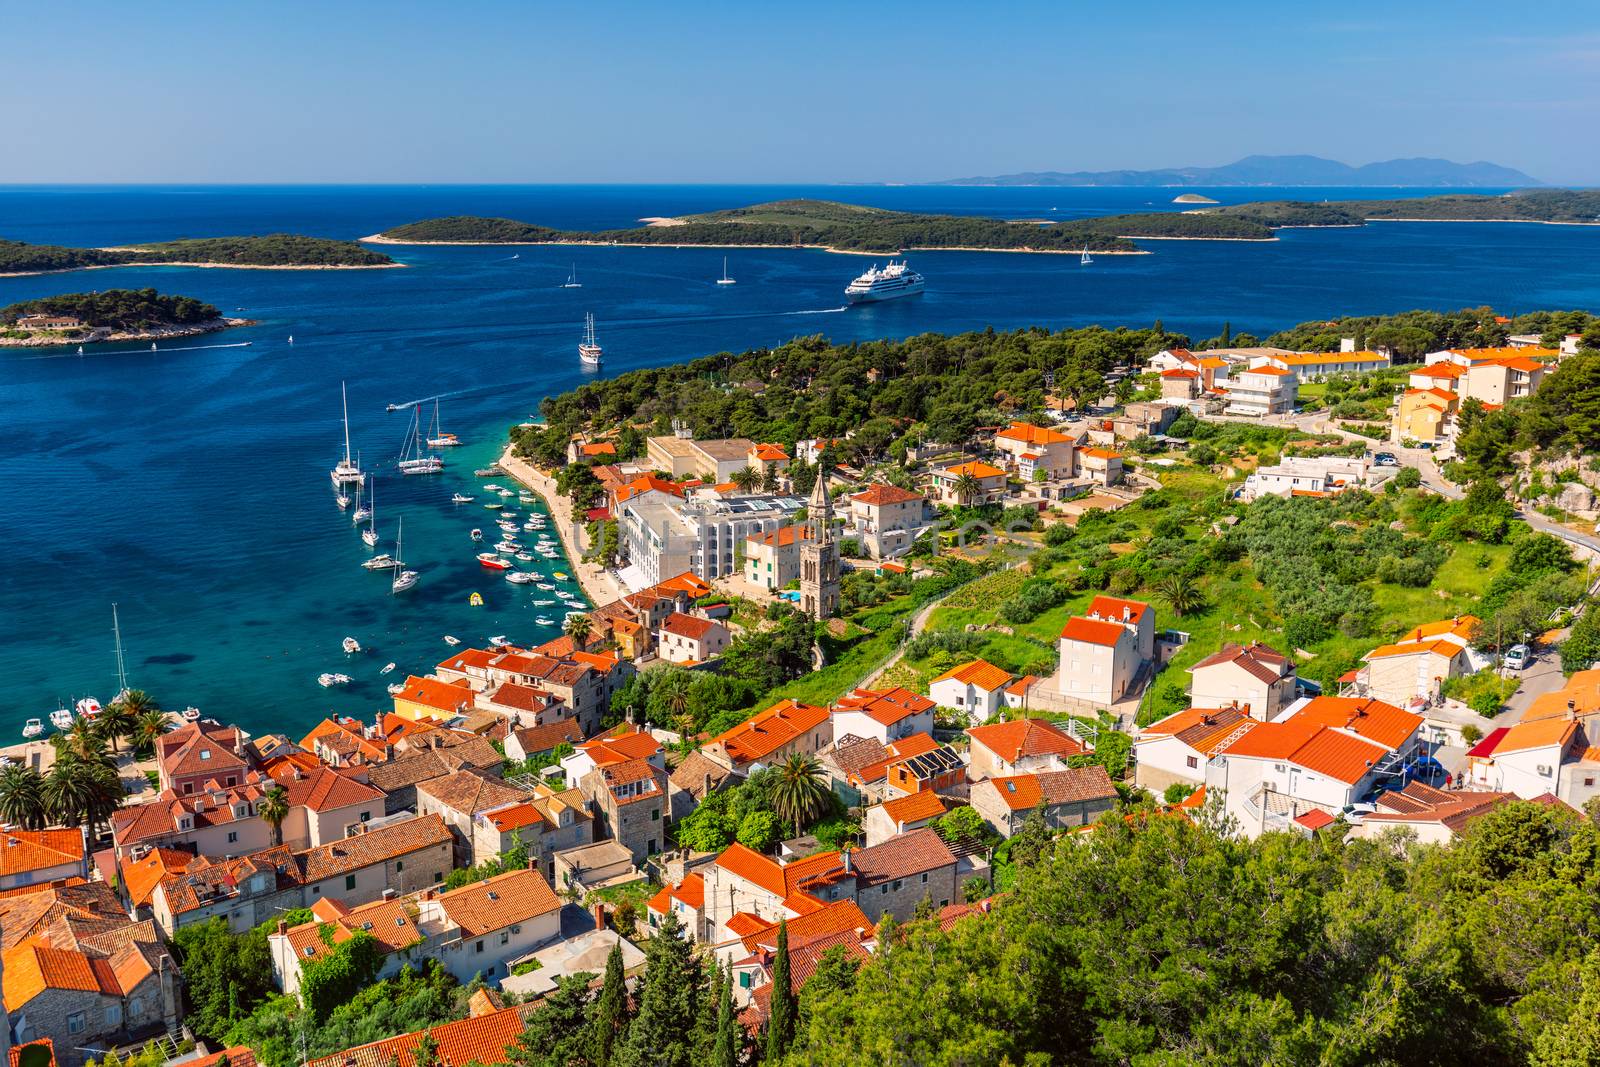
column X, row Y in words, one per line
column 895, row 279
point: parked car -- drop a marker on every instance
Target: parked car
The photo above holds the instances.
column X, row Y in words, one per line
column 1517, row 657
column 1385, row 459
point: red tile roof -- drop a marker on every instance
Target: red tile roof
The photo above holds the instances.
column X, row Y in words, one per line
column 880, row 495
column 1310, row 745
column 1113, row 607
column 482, row 1039
column 1092, row 631
column 914, row 807
column 1024, row 792
column 1029, row 434
column 769, row 730
column 886, row 706
column 1013, row 740
column 498, row 902
column 25, row 851
column 691, row 627
column 980, row 674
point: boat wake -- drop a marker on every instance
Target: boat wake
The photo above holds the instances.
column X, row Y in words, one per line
column 202, row 348
column 820, row 311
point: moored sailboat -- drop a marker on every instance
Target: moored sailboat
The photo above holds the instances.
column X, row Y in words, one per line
column 346, row 470
column 589, row 349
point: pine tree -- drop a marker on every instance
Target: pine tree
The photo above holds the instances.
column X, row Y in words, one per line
column 781, row 1016
column 610, row 1016
column 661, row 1034
column 1227, row 334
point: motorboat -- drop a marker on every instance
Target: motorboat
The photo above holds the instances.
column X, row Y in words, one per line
column 61, row 719
column 499, row 640
column 508, row 547
column 543, row 603
column 388, row 668
column 563, row 576
column 505, row 493
column 547, row 587
column 451, row 641
column 191, row 714
column 545, row 620
column 494, row 505
column 397, row 688
column 351, row 646
column 477, row 534
column 328, row 681
column 493, row 562
column 461, row 498
column 381, row 562
column 532, row 527
column 32, row 728
column 88, row 707
column 518, row 577
column 525, row 557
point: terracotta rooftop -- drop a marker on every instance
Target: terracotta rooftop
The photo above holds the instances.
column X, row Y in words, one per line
column 980, row 674
column 498, row 902
column 769, row 730
column 1014, row 740
column 880, row 495
column 901, row 857
column 692, row 627
column 25, row 851
column 914, row 807
column 1261, row 662
column 469, row 792
column 1024, row 792
column 483, row 1039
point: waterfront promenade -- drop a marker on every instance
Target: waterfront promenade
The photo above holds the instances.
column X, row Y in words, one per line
column 599, row 585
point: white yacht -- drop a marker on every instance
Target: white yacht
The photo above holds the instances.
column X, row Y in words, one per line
column 403, row 578
column 328, row 681
column 32, row 728
column 893, row 280
column 351, row 646
column 61, row 719
column 572, row 281
column 460, row 498
column 1085, row 259
column 413, row 460
column 589, row 349
column 346, row 470
column 381, row 562
column 437, row 438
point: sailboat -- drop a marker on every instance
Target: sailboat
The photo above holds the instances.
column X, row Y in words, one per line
column 1085, row 259
column 437, row 438
column 369, row 536
column 404, row 579
column 572, row 281
column 122, row 663
column 412, row 460
column 362, row 512
column 589, row 348
column 725, row 280
column 346, row 470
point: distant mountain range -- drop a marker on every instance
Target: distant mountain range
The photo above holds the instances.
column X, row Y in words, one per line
column 1284, row 170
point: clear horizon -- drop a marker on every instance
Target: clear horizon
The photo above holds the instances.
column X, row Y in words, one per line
column 839, row 94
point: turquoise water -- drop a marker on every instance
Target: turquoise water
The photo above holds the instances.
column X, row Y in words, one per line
column 190, row 485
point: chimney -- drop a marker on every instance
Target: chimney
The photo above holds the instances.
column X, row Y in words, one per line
column 1127, row 613
column 1572, row 705
column 1246, row 709
column 599, row 916
column 533, row 863
column 848, row 869
column 283, row 927
column 388, row 894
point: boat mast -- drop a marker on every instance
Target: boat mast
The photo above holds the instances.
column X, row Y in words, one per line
column 122, row 667
column 344, row 401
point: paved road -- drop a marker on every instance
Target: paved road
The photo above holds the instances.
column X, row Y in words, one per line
column 1543, row 676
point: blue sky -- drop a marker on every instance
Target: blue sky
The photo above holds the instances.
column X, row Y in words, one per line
column 493, row 91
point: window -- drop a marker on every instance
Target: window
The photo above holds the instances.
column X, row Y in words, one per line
column 114, row 1014
column 744, row 979
column 1191, row 762
column 438, row 876
column 75, row 1023
column 233, row 837
column 478, row 947
column 924, row 877
column 883, row 890
column 366, row 816
column 399, row 865
column 505, row 936
column 897, row 884
column 232, row 780
column 655, row 814
column 349, row 881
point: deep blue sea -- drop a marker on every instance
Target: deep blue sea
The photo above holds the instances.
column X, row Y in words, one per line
column 189, row 485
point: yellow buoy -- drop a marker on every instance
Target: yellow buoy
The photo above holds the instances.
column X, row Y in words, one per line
column 476, row 600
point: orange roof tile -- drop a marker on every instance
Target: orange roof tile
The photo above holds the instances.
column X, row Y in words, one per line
column 1541, row 733
column 1013, row 740
column 622, row 743
column 769, row 730
column 1102, row 453
column 1113, row 607
column 498, row 902
column 483, row 1039
column 23, row 851
column 1464, row 627
column 1310, row 745
column 976, row 468
column 1373, row 720
column 447, row 697
column 1029, row 434
column 1092, row 631
column 878, row 495
column 914, row 807
column 980, row 674
column 886, row 706
column 1266, row 370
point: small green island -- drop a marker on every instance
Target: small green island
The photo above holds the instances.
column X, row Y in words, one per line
column 852, row 228
column 275, row 251
column 111, row 315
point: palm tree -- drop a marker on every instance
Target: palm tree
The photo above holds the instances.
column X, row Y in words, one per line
column 80, row 792
column 578, row 627
column 966, row 486
column 799, row 790
column 1181, row 593
column 747, row 478
column 274, row 809
column 147, row 727
column 116, row 721
column 85, row 741
column 22, row 797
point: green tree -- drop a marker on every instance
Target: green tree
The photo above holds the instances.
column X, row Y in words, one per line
column 747, row 479
column 22, row 798
column 147, row 727
column 82, row 792
column 274, row 809
column 966, row 487
column 578, row 628
column 426, row 1054
column 799, row 790
column 609, row 1020
column 782, row 1006
column 559, row 1033
column 729, row 1048
column 674, row 982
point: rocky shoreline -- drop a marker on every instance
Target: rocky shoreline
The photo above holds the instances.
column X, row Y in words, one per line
column 100, row 335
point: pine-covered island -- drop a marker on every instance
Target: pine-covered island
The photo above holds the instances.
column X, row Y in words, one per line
column 840, row 227
column 111, row 315
column 275, row 251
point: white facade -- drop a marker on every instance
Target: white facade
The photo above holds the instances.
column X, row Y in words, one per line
column 1330, row 474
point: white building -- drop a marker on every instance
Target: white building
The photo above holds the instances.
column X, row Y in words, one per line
column 1306, row 475
column 1178, row 748
column 1258, row 678
column 885, row 715
column 663, row 537
column 1104, row 650
column 977, row 688
column 1264, row 390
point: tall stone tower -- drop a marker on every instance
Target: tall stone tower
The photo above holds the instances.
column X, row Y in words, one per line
column 819, row 556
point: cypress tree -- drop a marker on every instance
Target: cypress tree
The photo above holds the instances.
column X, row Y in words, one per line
column 1227, row 334
column 781, row 1016
column 610, row 1011
column 725, row 1053
column 662, row 1033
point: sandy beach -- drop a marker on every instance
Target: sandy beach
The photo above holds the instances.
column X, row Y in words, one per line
column 598, row 584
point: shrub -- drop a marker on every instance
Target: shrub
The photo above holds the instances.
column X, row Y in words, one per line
column 1409, row 478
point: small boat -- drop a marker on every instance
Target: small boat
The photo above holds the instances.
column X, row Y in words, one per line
column 533, row 527
column 454, row 641
column 351, row 646
column 543, row 603
column 362, row 512
column 328, row 681
column 518, row 577
column 397, row 688
column 545, row 620
column 589, row 349
column 475, row 600
column 1086, row 258
column 494, row 505
column 32, row 728
column 490, row 487
column 725, row 280
column 152, row 346
column 506, row 493
column 572, row 279
column 477, row 535
column 493, row 562
column 291, row 338
column 461, row 498
column 191, row 714
column 369, row 537
column 388, row 668
column 547, row 587
column 381, row 562
column 537, row 576
column 61, row 719
column 563, row 576
column 437, row 438
column 494, row 470
column 341, row 500
column 88, row 707
column 413, row 460
column 404, row 579
column 526, row 557
column 80, row 352
column 498, row 640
